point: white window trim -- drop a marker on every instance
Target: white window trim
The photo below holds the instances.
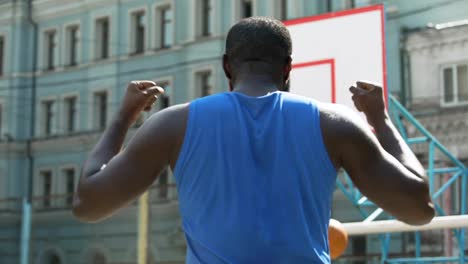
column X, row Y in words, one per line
column 43, row 49
column 91, row 116
column 236, row 9
column 195, row 93
column 62, row 115
column 94, row 43
column 40, row 129
column 6, row 55
column 453, row 65
column 215, row 26
column 66, row 45
column 131, row 32
column 155, row 42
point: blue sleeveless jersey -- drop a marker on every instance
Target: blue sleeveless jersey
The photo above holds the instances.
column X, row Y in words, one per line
column 254, row 180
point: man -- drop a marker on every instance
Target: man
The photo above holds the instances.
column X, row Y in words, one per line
column 255, row 167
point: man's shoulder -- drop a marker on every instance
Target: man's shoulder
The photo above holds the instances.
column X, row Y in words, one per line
column 340, row 123
column 338, row 115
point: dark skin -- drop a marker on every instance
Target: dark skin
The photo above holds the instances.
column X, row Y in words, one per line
column 383, row 167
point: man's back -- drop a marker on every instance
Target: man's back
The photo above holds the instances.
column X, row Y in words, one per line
column 254, row 176
column 255, row 184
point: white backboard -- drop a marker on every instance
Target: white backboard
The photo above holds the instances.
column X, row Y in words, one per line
column 332, row 51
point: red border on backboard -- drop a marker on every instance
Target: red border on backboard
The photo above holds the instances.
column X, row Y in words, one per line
column 331, row 62
column 361, row 10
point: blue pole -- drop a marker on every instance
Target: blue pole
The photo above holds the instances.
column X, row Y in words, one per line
column 461, row 242
column 25, row 232
column 417, row 240
column 430, row 170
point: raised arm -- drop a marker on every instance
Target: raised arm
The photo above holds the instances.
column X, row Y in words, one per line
column 113, row 178
column 384, row 169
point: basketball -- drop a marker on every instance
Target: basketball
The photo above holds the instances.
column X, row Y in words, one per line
column 337, row 238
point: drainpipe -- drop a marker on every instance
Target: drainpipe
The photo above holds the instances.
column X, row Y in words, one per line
column 27, row 198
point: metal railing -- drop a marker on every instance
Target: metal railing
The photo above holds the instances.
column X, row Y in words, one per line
column 456, row 174
column 159, row 194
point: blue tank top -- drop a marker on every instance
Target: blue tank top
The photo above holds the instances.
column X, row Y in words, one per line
column 254, row 180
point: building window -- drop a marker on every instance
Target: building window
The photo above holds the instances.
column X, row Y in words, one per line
column 349, row 4
column 455, row 84
column 204, row 16
column 69, row 175
column 204, row 83
column 46, row 188
column 283, row 10
column 48, row 114
column 50, row 258
column 164, row 100
column 50, row 47
column 2, row 54
column 138, row 28
column 71, row 43
column 102, row 38
column 100, row 110
column 286, row 9
column 70, row 114
column 246, row 8
column 98, row 258
column 165, row 26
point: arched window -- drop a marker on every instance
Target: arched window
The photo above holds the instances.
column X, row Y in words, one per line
column 97, row 257
column 51, row 257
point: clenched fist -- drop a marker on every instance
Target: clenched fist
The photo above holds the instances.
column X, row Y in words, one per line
column 140, row 96
column 368, row 98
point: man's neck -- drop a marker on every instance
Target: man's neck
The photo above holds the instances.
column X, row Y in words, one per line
column 256, row 86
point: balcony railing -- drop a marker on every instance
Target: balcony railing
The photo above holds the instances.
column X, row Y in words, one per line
column 159, row 194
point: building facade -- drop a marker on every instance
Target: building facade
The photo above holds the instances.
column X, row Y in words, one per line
column 64, row 66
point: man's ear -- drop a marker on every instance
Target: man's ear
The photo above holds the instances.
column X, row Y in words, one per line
column 226, row 67
column 287, row 69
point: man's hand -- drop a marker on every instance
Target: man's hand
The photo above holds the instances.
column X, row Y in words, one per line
column 140, row 96
column 368, row 98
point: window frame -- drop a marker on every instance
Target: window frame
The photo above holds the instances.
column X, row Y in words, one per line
column 132, row 33
column 62, row 181
column 236, row 8
column 277, row 10
column 3, row 119
column 92, row 126
column 195, row 33
column 44, row 61
column 4, row 62
column 39, row 186
column 66, row 54
column 456, row 101
column 196, row 92
column 64, row 113
column 95, row 46
column 169, row 93
column 41, row 128
column 156, row 31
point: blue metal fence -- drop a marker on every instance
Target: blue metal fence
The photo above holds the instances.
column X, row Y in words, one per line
column 456, row 171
